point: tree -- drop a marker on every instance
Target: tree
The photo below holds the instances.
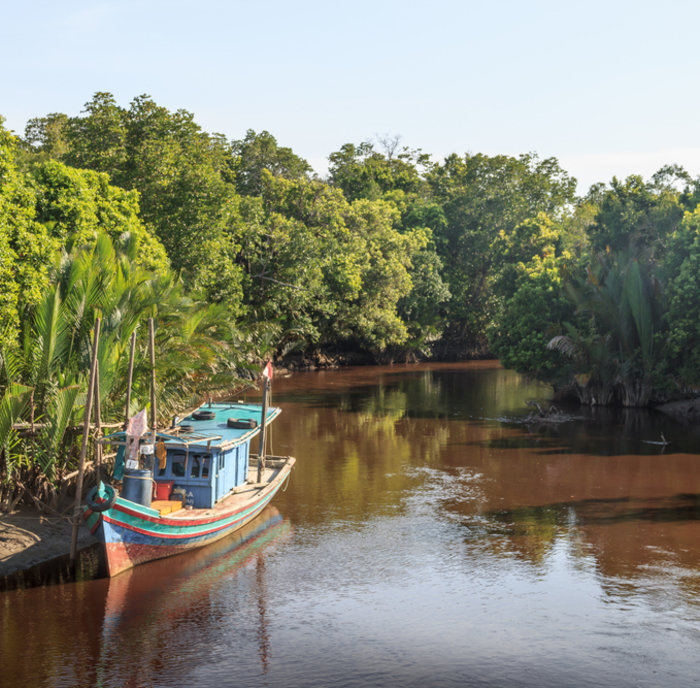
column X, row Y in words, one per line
column 528, row 277
column 482, row 197
column 25, row 245
column 422, row 308
column 682, row 270
column 183, row 177
column 533, row 313
column 77, row 204
column 617, row 346
column 47, row 136
column 97, row 141
column 329, row 271
column 258, row 152
column 197, row 349
column 362, row 172
column 635, row 213
column 373, row 318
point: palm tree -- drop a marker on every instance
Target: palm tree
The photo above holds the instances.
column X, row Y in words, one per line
column 195, row 344
column 616, row 342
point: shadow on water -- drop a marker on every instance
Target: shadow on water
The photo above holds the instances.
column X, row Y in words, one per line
column 89, row 564
column 608, row 511
column 602, row 432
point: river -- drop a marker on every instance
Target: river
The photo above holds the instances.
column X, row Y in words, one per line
column 429, row 537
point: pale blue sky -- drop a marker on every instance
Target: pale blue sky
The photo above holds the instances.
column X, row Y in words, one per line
column 606, row 87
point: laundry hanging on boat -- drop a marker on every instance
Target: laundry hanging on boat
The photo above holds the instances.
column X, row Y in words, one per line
column 137, row 426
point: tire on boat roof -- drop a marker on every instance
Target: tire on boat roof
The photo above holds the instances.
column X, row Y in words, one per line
column 242, row 423
column 186, row 428
column 204, row 415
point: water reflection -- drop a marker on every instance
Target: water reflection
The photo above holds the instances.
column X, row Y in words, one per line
column 478, row 390
column 530, row 485
column 143, row 625
column 171, row 608
column 438, row 539
column 583, row 505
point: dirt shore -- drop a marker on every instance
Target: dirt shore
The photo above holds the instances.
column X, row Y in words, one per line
column 28, row 538
column 687, row 410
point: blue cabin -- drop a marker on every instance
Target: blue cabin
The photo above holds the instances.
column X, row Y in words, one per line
column 207, row 453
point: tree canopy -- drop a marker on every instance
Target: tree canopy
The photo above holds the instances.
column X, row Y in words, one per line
column 393, row 255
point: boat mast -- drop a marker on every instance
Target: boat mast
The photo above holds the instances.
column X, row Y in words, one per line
column 267, row 384
column 153, row 388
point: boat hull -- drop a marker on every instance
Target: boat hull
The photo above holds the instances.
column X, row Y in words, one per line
column 133, row 534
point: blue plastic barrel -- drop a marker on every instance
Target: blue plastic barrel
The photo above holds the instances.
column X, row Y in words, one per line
column 137, row 486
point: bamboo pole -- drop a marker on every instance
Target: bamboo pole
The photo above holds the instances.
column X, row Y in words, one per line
column 83, row 446
column 263, row 419
column 129, row 381
column 152, row 344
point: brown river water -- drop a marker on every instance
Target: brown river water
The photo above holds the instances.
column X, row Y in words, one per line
column 429, row 537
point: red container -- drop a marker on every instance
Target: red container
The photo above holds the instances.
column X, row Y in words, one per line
column 163, row 489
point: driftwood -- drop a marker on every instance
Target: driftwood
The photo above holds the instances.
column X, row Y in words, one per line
column 662, row 443
column 550, row 415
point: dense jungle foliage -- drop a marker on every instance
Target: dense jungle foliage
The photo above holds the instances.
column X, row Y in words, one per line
column 240, row 251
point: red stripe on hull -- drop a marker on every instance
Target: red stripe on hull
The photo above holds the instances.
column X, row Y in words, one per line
column 178, row 536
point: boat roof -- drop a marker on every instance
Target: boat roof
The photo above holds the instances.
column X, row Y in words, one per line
column 212, row 433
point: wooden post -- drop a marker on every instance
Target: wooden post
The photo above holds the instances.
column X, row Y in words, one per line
column 129, row 380
column 83, row 446
column 98, row 422
column 263, row 419
column 152, row 337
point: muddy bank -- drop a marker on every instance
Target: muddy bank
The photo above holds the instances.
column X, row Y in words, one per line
column 28, row 538
column 687, row 410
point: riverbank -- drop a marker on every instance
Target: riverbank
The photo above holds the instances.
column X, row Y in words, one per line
column 28, row 538
column 687, row 410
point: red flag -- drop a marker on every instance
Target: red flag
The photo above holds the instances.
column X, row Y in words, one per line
column 267, row 370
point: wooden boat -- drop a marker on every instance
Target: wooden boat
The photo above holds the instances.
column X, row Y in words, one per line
column 206, row 485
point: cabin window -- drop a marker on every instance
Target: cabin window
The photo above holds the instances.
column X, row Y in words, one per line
column 161, row 472
column 205, row 467
column 196, row 465
column 178, row 466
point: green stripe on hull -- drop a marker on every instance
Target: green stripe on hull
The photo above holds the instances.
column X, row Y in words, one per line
column 161, row 529
column 164, row 529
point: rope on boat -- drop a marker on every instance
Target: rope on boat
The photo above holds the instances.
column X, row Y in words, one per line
column 285, row 485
